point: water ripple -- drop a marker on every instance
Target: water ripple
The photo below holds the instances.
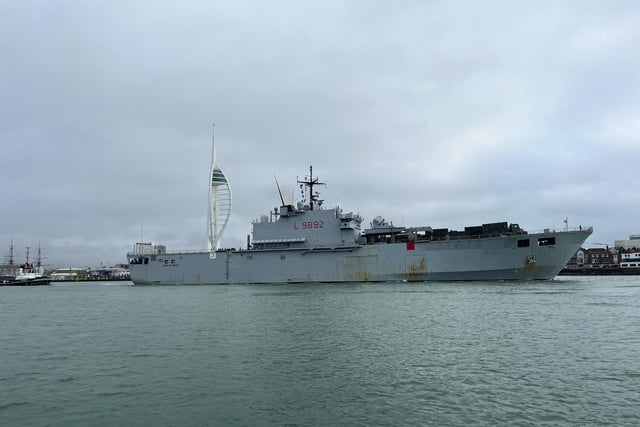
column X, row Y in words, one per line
column 558, row 353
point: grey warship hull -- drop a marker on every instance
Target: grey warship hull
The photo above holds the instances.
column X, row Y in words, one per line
column 503, row 257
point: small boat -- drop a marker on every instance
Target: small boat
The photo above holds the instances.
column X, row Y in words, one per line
column 26, row 282
column 28, row 274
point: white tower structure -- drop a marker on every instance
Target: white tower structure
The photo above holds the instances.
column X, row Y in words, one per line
column 219, row 202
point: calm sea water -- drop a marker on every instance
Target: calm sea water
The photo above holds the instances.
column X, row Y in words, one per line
column 565, row 352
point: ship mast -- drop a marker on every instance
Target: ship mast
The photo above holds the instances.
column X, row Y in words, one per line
column 309, row 182
column 219, row 202
column 11, row 258
column 39, row 258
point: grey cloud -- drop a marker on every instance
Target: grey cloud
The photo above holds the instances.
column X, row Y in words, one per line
column 425, row 113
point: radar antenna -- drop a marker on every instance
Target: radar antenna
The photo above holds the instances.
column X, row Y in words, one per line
column 279, row 192
column 309, row 182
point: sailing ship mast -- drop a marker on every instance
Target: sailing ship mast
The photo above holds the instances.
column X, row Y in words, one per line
column 39, row 258
column 11, row 264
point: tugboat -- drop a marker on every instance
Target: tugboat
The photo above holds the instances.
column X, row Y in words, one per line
column 28, row 274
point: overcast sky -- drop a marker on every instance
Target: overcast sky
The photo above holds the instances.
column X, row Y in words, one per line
column 446, row 114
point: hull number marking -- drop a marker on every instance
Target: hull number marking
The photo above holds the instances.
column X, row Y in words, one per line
column 308, row 225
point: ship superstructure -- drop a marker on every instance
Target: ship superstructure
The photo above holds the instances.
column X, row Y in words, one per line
column 306, row 242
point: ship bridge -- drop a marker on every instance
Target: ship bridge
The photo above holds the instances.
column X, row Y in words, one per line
column 305, row 228
column 307, row 224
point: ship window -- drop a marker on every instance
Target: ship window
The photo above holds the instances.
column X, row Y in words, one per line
column 523, row 243
column 282, row 257
column 547, row 241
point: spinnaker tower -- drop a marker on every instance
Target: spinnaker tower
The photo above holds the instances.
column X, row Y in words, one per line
column 219, row 202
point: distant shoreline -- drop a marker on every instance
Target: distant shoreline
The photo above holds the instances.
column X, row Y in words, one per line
column 605, row 271
column 90, row 280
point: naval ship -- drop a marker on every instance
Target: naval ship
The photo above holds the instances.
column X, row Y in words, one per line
column 306, row 242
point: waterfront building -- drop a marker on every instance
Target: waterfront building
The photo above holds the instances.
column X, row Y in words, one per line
column 625, row 254
column 70, row 274
column 632, row 243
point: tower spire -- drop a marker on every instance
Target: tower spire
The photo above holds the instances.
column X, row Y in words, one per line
column 213, row 144
column 219, row 202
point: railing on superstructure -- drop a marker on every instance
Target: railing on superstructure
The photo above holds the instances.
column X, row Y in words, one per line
column 184, row 252
column 401, row 235
column 562, row 230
